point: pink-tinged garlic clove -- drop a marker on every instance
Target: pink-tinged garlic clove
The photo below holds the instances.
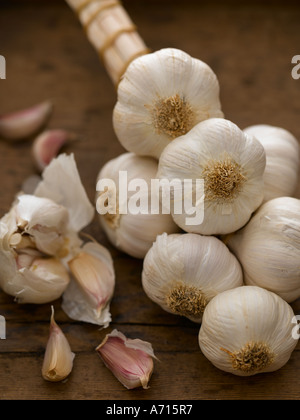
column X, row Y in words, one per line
column 58, row 359
column 131, row 361
column 48, row 144
column 23, row 124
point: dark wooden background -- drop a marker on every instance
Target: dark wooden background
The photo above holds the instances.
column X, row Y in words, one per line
column 249, row 44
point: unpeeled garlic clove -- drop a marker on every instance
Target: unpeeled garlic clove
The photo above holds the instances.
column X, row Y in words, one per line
column 44, row 220
column 22, row 124
column 131, row 361
column 48, row 144
column 58, row 359
column 88, row 297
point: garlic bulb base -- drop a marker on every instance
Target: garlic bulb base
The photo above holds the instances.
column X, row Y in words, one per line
column 173, row 116
column 252, row 358
column 186, row 301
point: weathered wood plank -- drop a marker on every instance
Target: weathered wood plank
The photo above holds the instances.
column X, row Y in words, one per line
column 249, row 45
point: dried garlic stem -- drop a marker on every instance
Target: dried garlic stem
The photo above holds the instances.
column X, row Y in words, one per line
column 111, row 32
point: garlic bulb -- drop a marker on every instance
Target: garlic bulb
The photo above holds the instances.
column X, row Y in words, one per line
column 181, row 275
column 40, row 233
column 132, row 233
column 268, row 247
column 231, row 166
column 58, row 359
column 161, row 96
column 88, row 297
column 247, row 330
column 283, row 158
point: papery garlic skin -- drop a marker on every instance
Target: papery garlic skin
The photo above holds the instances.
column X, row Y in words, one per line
column 283, row 158
column 181, row 275
column 268, row 247
column 247, row 330
column 61, row 183
column 230, row 163
column 133, row 234
column 88, row 296
column 58, row 359
column 162, row 96
column 130, row 360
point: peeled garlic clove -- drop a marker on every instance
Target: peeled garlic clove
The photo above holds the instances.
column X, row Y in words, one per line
column 247, row 330
column 162, row 96
column 268, row 247
column 58, row 359
column 283, row 157
column 61, row 183
column 88, row 297
column 133, row 234
column 131, row 361
column 23, row 124
column 231, row 166
column 48, row 144
column 181, row 275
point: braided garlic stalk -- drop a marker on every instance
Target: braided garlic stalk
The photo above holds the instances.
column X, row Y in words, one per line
column 161, row 95
column 111, row 32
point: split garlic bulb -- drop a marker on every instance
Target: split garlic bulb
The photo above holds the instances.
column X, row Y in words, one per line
column 40, row 232
column 247, row 330
column 181, row 275
column 268, row 247
column 283, row 158
column 162, row 96
column 133, row 234
column 230, row 164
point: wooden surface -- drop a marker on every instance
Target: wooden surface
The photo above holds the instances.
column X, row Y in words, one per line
column 250, row 47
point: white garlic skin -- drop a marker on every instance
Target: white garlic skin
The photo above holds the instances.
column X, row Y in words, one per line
column 244, row 315
column 283, row 159
column 159, row 76
column 268, row 247
column 217, row 140
column 189, row 260
column 134, row 234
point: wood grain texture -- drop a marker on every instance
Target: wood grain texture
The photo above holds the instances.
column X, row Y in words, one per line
column 250, row 46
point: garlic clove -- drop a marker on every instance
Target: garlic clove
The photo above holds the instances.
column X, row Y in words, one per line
column 32, row 280
column 48, row 144
column 44, row 220
column 131, row 361
column 247, row 330
column 22, row 124
column 180, row 273
column 62, row 184
column 88, row 297
column 162, row 96
column 58, row 359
